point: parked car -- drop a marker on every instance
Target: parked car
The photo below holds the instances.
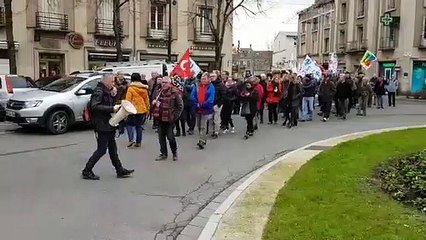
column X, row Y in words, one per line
column 10, row 84
column 44, row 81
column 54, row 107
column 2, row 113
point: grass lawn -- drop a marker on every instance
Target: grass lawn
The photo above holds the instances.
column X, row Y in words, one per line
column 331, row 197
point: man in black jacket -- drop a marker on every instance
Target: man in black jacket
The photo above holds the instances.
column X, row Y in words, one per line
column 343, row 94
column 102, row 106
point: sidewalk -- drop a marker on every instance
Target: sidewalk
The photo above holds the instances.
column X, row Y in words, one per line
column 245, row 212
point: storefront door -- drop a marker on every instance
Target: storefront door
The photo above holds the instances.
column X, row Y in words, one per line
column 387, row 69
column 51, row 64
column 418, row 82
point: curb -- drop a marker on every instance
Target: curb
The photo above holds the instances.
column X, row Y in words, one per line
column 209, row 218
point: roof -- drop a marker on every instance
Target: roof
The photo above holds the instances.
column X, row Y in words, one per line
column 317, row 4
column 287, row 34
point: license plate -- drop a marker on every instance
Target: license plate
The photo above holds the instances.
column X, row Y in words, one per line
column 10, row 114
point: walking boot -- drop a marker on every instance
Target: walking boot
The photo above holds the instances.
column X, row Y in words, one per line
column 123, row 173
column 89, row 175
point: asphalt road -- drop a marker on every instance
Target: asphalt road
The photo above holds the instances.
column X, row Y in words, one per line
column 43, row 198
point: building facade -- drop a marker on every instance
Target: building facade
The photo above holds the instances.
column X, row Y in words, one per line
column 61, row 36
column 377, row 26
column 250, row 62
column 284, row 50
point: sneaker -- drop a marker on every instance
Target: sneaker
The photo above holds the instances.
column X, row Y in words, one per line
column 131, row 144
column 233, row 130
column 137, row 145
column 324, row 119
column 175, row 157
column 200, row 145
column 269, row 123
column 190, row 132
column 125, row 173
column 225, row 131
column 161, row 157
column 89, row 175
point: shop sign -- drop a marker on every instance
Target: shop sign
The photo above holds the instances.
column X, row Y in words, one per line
column 388, row 65
column 76, row 40
column 106, row 42
column 157, row 45
column 203, row 48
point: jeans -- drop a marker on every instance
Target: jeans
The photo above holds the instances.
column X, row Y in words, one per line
column 391, row 98
column 250, row 124
column 165, row 130
column 308, row 108
column 216, row 119
column 294, row 115
column 202, row 121
column 190, row 118
column 134, row 125
column 227, row 109
column 343, row 107
column 362, row 105
column 180, row 123
column 273, row 112
column 105, row 141
column 380, row 101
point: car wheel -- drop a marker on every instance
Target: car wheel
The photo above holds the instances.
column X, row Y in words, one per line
column 58, row 122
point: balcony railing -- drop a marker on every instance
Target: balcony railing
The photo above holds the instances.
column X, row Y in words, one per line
column 2, row 17
column 158, row 33
column 51, row 21
column 356, row 46
column 388, row 43
column 104, row 27
column 203, row 36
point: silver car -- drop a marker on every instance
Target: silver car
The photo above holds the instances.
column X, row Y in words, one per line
column 54, row 107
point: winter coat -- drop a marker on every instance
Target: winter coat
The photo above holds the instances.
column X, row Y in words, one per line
column 205, row 108
column 171, row 106
column 344, row 89
column 137, row 94
column 101, row 107
column 231, row 94
column 261, row 94
column 294, row 95
column 365, row 90
column 264, row 86
column 392, row 85
column 274, row 92
column 309, row 87
column 220, row 90
column 326, row 91
column 252, row 99
column 380, row 88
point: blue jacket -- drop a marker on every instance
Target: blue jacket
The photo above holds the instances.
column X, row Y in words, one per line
column 207, row 106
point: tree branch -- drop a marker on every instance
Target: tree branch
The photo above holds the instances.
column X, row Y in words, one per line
column 122, row 3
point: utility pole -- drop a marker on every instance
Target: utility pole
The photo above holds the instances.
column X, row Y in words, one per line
column 169, row 41
column 134, row 31
column 9, row 36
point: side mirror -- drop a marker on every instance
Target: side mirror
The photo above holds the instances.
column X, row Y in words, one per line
column 84, row 91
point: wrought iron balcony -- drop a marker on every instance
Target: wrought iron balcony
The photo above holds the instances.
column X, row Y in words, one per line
column 51, row 21
column 104, row 27
column 159, row 33
column 388, row 43
column 356, row 46
column 203, row 36
column 2, row 16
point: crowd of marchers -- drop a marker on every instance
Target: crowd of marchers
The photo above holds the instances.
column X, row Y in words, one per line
column 207, row 103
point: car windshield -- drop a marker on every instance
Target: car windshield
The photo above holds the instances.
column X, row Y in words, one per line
column 63, row 85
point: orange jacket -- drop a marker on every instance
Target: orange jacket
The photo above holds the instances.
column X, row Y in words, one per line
column 272, row 96
column 137, row 94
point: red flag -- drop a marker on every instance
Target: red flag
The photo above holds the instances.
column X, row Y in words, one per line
column 183, row 68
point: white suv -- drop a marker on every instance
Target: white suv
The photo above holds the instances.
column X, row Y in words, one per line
column 54, row 107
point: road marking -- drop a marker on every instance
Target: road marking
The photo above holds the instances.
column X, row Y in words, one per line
column 37, row 149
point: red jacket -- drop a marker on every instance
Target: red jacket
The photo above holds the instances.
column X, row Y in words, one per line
column 272, row 96
column 259, row 89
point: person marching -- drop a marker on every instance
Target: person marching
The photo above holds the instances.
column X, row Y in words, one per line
column 101, row 106
column 365, row 91
column 326, row 92
column 137, row 94
column 274, row 91
column 249, row 105
column 228, row 105
column 168, row 107
column 202, row 99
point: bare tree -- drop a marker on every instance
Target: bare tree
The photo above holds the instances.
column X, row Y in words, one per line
column 225, row 10
column 118, row 27
column 9, row 36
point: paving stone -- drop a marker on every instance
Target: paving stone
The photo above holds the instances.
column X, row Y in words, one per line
column 191, row 230
column 199, row 221
column 213, row 205
column 206, row 213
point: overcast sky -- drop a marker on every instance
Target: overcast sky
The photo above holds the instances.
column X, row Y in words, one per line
column 280, row 16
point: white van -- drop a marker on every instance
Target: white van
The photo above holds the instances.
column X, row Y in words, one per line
column 140, row 67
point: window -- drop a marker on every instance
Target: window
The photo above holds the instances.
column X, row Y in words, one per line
column 157, row 17
column 343, row 12
column 361, row 8
column 303, row 27
column 206, row 14
column 391, row 4
column 315, row 24
column 360, row 33
column 424, row 28
column 326, row 44
column 105, row 10
column 91, row 85
column 327, row 20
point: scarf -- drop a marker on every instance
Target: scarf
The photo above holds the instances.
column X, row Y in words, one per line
column 202, row 92
column 163, row 112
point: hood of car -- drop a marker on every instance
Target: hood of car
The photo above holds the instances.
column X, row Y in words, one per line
column 35, row 94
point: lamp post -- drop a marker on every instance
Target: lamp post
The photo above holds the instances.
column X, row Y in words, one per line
column 169, row 42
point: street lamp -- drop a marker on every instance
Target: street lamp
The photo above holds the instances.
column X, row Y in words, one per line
column 169, row 42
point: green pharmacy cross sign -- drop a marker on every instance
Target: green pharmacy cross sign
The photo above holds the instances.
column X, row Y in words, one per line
column 386, row 19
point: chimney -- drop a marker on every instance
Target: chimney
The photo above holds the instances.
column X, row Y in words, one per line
column 250, row 46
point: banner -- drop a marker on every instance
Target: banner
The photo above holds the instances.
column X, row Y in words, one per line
column 186, row 68
column 309, row 66
column 333, row 63
column 368, row 59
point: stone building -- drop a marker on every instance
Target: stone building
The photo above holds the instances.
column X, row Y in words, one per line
column 284, row 50
column 250, row 62
column 62, row 36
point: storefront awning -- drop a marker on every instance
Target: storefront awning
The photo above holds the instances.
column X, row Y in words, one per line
column 3, row 44
column 103, row 56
